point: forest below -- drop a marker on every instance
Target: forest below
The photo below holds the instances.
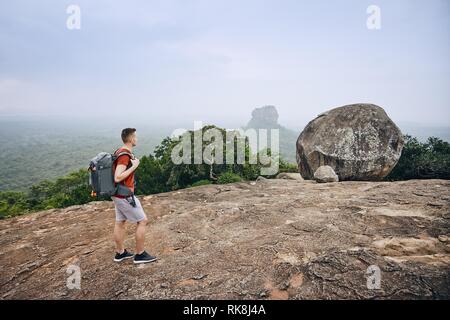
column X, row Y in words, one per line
column 157, row 173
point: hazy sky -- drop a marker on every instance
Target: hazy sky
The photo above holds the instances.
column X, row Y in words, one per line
column 215, row 61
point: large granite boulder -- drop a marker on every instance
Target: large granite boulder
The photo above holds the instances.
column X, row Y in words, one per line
column 360, row 142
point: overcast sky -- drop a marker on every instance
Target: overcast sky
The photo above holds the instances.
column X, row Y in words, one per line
column 215, row 61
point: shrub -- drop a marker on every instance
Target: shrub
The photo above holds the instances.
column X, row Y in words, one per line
column 201, row 183
column 228, row 177
column 428, row 160
column 13, row 203
column 288, row 167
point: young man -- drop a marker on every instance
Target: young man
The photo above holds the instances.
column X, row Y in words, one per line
column 128, row 208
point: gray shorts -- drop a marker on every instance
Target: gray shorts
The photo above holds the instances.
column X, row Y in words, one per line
column 126, row 212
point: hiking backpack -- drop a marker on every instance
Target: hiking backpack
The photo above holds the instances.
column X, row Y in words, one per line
column 101, row 175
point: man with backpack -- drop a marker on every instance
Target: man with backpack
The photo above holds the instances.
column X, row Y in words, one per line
column 127, row 206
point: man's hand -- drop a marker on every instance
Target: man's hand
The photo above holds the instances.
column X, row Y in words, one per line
column 134, row 162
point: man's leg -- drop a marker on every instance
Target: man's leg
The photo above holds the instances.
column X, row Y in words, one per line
column 136, row 214
column 140, row 236
column 119, row 235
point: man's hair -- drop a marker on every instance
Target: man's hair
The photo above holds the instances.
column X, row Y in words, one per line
column 126, row 133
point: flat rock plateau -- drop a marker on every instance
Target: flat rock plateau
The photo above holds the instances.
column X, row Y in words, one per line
column 271, row 239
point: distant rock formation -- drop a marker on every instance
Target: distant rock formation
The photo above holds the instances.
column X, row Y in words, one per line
column 360, row 142
column 267, row 118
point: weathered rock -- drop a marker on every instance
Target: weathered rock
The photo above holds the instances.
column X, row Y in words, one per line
column 325, row 174
column 265, row 117
column 290, row 176
column 277, row 240
column 360, row 142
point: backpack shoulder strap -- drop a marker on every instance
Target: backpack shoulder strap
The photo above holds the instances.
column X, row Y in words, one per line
column 116, row 156
column 124, row 152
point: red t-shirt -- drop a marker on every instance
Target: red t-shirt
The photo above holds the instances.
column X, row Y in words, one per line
column 124, row 160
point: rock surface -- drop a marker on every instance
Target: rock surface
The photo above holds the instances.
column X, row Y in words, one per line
column 360, row 142
column 278, row 239
column 325, row 174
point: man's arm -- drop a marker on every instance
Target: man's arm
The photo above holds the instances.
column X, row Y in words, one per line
column 122, row 172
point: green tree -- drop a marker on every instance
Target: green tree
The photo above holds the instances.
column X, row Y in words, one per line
column 428, row 160
column 151, row 176
column 69, row 190
column 13, row 203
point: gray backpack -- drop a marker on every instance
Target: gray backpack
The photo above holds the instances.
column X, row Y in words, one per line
column 101, row 175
